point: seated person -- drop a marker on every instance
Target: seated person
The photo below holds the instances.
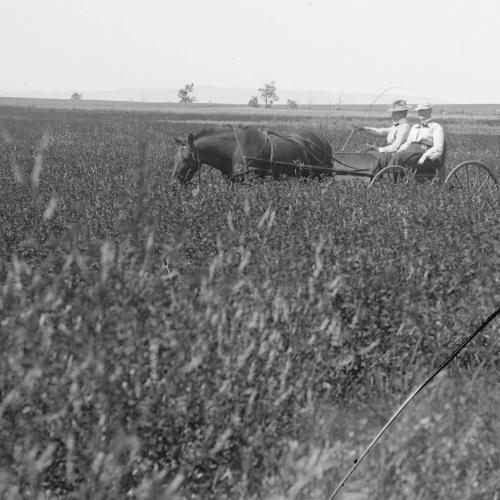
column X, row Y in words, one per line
column 425, row 143
column 395, row 135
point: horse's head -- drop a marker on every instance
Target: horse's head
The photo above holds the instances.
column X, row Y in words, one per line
column 187, row 160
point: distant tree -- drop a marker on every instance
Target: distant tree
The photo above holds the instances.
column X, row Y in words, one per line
column 76, row 96
column 268, row 94
column 184, row 94
column 292, row 104
column 253, row 102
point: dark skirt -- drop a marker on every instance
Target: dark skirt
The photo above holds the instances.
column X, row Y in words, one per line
column 408, row 158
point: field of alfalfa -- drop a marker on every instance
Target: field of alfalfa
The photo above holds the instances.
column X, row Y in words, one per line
column 236, row 341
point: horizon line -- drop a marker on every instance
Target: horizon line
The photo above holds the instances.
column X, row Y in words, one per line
column 212, row 103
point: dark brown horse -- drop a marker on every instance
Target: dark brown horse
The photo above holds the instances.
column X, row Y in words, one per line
column 236, row 151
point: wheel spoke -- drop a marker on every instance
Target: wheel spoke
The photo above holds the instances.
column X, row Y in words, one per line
column 473, row 178
column 486, row 179
column 455, row 175
column 476, row 180
column 391, row 175
column 470, row 181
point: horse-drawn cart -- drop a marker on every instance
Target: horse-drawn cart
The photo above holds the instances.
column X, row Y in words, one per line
column 237, row 151
column 472, row 177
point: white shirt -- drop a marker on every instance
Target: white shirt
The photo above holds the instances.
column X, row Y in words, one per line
column 429, row 133
column 396, row 135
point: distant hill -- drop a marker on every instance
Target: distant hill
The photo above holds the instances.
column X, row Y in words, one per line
column 222, row 95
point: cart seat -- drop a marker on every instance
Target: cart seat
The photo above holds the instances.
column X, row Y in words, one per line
column 433, row 168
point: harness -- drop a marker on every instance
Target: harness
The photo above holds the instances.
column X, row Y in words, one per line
column 248, row 160
column 247, row 164
column 300, row 142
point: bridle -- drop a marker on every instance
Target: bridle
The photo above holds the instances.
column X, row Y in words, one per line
column 247, row 162
column 194, row 155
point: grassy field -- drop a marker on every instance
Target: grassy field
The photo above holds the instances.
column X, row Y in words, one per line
column 237, row 340
column 462, row 112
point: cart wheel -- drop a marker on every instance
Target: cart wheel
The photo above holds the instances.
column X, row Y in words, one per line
column 473, row 178
column 391, row 175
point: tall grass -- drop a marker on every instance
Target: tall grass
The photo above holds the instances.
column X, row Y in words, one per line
column 237, row 341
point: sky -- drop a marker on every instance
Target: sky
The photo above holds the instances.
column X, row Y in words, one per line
column 449, row 50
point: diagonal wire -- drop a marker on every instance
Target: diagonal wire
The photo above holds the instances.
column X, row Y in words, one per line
column 443, row 365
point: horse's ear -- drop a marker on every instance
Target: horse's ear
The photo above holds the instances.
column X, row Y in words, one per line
column 178, row 141
column 190, row 139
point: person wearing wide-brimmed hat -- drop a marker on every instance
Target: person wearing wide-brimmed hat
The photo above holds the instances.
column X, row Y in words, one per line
column 425, row 142
column 395, row 134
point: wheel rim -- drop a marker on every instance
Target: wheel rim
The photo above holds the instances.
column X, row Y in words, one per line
column 472, row 178
column 391, row 175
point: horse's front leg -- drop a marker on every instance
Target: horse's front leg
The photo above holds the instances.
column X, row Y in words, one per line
column 241, row 167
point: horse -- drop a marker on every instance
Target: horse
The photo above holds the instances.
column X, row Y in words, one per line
column 236, row 151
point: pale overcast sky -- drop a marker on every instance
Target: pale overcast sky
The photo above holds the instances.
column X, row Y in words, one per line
column 446, row 49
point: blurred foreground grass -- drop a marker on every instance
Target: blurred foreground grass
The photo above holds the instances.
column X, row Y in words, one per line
column 236, row 341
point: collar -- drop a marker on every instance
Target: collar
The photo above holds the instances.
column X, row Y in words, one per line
column 400, row 122
column 425, row 123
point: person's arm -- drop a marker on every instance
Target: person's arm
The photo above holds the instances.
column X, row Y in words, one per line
column 435, row 152
column 379, row 132
column 401, row 134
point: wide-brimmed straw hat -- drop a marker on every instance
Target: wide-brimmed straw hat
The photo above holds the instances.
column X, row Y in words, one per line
column 399, row 105
column 423, row 105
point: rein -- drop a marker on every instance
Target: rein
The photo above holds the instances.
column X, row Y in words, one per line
column 271, row 161
column 196, row 158
column 369, row 111
column 293, row 139
column 247, row 160
column 243, row 170
column 247, row 164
